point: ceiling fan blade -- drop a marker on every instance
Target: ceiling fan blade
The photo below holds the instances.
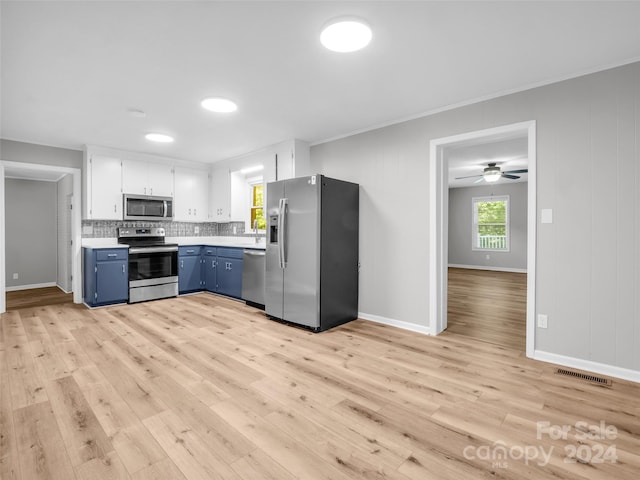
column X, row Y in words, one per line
column 512, row 177
column 470, row 176
column 479, row 180
column 524, row 170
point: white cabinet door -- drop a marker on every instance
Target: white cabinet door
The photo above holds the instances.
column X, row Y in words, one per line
column 134, row 177
column 285, row 161
column 160, row 179
column 201, row 197
column 220, row 195
column 147, row 178
column 106, row 188
column 191, row 195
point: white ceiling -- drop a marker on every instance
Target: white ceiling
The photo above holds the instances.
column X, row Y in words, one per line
column 72, row 70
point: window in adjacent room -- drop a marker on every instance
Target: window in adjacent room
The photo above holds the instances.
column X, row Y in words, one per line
column 257, row 206
column 490, row 227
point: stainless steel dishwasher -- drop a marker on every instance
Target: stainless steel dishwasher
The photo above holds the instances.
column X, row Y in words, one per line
column 253, row 273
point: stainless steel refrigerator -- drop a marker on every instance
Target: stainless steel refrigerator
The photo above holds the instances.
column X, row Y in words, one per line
column 312, row 251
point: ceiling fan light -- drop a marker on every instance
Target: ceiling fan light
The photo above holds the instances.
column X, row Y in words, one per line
column 492, row 176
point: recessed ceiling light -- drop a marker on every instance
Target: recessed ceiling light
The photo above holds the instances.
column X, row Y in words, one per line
column 346, row 35
column 219, row 105
column 159, row 137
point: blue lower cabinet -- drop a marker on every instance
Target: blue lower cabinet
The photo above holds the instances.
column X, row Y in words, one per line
column 106, row 276
column 189, row 269
column 210, row 265
column 230, row 276
column 214, row 269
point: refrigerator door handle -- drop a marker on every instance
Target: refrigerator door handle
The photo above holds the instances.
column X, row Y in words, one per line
column 282, row 222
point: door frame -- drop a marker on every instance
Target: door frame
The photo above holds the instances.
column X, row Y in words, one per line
column 439, row 223
column 76, row 224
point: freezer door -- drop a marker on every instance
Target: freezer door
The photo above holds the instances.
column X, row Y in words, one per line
column 301, row 225
column 274, row 274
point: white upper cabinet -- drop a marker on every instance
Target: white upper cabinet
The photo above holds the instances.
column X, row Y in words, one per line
column 147, row 178
column 103, row 187
column 292, row 159
column 220, row 210
column 191, row 198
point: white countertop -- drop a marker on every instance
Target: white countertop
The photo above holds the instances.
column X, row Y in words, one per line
column 241, row 242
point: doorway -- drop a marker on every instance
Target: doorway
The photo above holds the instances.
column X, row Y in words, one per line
column 439, row 220
column 47, row 173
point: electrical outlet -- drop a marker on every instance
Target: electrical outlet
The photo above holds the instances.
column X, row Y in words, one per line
column 234, row 229
column 196, row 230
column 488, row 257
column 15, row 276
column 542, row 320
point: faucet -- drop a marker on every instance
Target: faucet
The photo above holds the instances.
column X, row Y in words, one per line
column 255, row 228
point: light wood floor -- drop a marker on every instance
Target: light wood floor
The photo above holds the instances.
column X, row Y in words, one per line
column 488, row 306
column 202, row 387
column 37, row 297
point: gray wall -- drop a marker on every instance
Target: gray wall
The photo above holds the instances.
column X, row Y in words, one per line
column 30, row 153
column 460, row 227
column 30, row 226
column 588, row 264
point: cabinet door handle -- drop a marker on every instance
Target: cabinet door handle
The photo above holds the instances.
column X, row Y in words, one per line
column 213, row 264
column 115, row 207
column 181, row 263
column 190, row 251
column 123, row 268
column 145, row 190
column 151, row 191
column 112, row 254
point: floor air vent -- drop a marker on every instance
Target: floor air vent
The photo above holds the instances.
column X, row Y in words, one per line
column 604, row 382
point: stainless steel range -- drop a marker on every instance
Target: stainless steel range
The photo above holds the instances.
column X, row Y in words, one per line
column 153, row 264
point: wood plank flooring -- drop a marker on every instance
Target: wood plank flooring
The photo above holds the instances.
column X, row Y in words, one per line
column 489, row 306
column 203, row 387
column 37, row 297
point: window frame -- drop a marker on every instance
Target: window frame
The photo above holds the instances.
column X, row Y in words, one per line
column 252, row 185
column 474, row 222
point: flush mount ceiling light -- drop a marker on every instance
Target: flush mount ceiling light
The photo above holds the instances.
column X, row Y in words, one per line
column 345, row 35
column 159, row 137
column 219, row 105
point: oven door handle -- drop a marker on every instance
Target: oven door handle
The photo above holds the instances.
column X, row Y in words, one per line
column 135, row 250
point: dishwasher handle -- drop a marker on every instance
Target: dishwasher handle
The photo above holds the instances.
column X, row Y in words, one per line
column 254, row 253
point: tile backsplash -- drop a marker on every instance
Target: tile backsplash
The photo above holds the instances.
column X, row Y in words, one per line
column 109, row 228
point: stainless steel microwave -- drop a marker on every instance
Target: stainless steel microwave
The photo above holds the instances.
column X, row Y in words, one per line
column 144, row 207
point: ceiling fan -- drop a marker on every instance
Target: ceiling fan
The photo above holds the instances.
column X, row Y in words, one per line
column 492, row 173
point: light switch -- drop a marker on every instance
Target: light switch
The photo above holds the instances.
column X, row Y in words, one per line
column 546, row 215
column 542, row 320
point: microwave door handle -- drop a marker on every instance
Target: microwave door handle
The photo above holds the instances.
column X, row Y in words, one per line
column 164, row 209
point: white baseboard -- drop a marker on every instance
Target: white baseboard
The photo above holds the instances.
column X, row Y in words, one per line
column 395, row 323
column 29, row 287
column 493, row 269
column 588, row 365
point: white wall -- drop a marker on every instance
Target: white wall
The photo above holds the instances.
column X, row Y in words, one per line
column 31, row 250
column 588, row 164
column 460, row 227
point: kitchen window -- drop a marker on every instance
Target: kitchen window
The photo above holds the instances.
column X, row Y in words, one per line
column 257, row 206
column 490, row 229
